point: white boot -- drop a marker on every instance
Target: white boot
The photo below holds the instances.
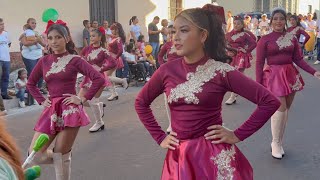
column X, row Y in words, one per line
column 282, row 131
column 277, row 120
column 62, row 165
column 97, row 113
column 169, row 129
column 117, row 80
column 232, row 99
column 114, row 94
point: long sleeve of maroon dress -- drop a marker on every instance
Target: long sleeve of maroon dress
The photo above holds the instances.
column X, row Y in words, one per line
column 60, row 73
column 162, row 52
column 116, row 47
column 268, row 49
column 195, row 93
column 239, row 39
column 298, row 31
column 100, row 57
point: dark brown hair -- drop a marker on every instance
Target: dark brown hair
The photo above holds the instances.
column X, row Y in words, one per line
column 9, row 150
column 30, row 19
column 281, row 11
column 1, row 20
column 118, row 27
column 132, row 19
column 102, row 35
column 215, row 45
column 297, row 19
column 65, row 32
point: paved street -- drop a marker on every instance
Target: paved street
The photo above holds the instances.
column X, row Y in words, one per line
column 125, row 150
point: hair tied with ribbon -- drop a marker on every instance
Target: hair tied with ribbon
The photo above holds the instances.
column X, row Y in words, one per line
column 50, row 23
column 215, row 9
column 102, row 30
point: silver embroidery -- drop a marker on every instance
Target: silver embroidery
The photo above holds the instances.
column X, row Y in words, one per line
column 223, row 161
column 297, row 85
column 60, row 65
column 94, row 54
column 195, row 81
column 58, row 120
column 72, row 110
column 88, row 84
column 172, row 50
column 236, row 36
column 285, row 41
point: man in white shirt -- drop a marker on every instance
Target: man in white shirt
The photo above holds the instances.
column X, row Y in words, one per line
column 229, row 22
column 4, row 64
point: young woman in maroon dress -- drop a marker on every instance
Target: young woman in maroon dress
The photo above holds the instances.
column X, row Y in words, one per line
column 297, row 29
column 63, row 112
column 280, row 49
column 100, row 59
column 244, row 42
column 199, row 147
column 115, row 48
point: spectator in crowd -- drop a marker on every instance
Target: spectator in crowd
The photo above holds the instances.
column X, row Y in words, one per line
column 108, row 31
column 86, row 33
column 154, row 32
column 31, row 55
column 95, row 24
column 4, row 61
column 318, row 42
column 288, row 19
column 20, row 86
column 135, row 29
column 4, row 57
column 311, row 29
column 229, row 22
column 164, row 30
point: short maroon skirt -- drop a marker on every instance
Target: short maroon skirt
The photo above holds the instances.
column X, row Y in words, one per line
column 242, row 60
column 200, row 159
column 282, row 80
column 86, row 83
column 55, row 118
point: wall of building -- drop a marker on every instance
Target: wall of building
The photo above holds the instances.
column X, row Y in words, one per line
column 236, row 7
column 146, row 10
column 16, row 13
column 303, row 6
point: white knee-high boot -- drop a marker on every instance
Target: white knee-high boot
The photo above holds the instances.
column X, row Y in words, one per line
column 232, row 99
column 277, row 120
column 95, row 106
column 62, row 165
column 283, row 131
column 169, row 129
column 114, row 94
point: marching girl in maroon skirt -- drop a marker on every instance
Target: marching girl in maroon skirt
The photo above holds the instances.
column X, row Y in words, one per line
column 297, row 29
column 115, row 48
column 199, row 147
column 100, row 59
column 280, row 49
column 63, row 112
column 244, row 42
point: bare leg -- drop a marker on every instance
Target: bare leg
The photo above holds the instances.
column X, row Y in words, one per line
column 62, row 152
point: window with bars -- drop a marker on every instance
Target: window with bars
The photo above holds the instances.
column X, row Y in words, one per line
column 175, row 7
column 101, row 10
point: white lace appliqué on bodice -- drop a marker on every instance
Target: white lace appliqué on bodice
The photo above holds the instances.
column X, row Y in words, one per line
column 60, row 65
column 94, row 54
column 285, row 41
column 195, row 81
column 237, row 36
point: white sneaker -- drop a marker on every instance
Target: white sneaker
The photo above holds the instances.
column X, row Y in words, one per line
column 22, row 104
column 317, row 62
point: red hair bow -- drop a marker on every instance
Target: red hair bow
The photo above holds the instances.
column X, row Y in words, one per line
column 50, row 23
column 102, row 30
column 219, row 10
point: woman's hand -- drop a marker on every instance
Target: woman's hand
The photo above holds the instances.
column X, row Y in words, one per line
column 46, row 103
column 71, row 99
column 317, row 74
column 220, row 134
column 242, row 50
column 170, row 141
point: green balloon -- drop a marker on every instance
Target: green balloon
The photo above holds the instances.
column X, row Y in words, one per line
column 50, row 14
